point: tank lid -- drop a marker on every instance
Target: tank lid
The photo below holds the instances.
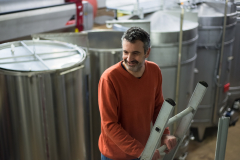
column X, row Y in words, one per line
column 215, row 9
column 169, row 21
column 39, row 55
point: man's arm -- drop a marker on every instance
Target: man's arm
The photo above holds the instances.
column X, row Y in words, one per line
column 108, row 105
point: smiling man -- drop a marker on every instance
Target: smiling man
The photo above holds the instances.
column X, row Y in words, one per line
column 130, row 98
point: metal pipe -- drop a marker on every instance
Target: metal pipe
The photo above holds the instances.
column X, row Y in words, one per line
column 35, row 55
column 220, row 65
column 180, row 115
column 222, row 138
column 179, row 65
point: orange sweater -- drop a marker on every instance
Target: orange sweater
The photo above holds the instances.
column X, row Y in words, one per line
column 127, row 106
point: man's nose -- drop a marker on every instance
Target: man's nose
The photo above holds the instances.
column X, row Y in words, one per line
column 130, row 57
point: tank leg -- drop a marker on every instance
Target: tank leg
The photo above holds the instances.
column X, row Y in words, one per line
column 201, row 131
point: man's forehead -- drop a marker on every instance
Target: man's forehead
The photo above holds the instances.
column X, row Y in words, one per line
column 136, row 43
column 132, row 47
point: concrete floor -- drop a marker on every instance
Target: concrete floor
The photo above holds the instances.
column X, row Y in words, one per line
column 205, row 150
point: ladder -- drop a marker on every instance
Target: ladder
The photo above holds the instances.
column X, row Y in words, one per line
column 163, row 121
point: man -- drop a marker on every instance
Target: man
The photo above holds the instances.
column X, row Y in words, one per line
column 130, row 98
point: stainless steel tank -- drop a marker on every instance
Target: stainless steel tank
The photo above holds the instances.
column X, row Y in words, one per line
column 104, row 50
column 43, row 111
column 211, row 18
column 165, row 29
column 234, row 89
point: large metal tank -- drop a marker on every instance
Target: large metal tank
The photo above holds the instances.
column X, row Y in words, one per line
column 211, row 28
column 165, row 30
column 43, row 111
column 234, row 89
column 104, row 50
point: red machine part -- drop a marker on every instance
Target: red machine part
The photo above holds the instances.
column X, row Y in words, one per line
column 79, row 14
column 226, row 87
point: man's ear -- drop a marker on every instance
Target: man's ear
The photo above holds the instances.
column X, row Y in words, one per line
column 148, row 52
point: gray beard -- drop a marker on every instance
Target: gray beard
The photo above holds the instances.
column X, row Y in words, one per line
column 135, row 68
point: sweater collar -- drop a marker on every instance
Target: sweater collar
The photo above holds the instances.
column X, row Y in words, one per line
column 126, row 73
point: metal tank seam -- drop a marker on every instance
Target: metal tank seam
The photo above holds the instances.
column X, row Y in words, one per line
column 176, row 44
column 182, row 63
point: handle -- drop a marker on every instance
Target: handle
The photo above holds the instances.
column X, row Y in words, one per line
column 71, row 70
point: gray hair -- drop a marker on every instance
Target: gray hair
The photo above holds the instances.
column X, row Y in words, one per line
column 137, row 33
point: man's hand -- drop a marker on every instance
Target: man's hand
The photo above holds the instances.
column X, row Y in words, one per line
column 156, row 155
column 170, row 141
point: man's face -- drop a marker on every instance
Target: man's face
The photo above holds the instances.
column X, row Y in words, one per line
column 133, row 55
